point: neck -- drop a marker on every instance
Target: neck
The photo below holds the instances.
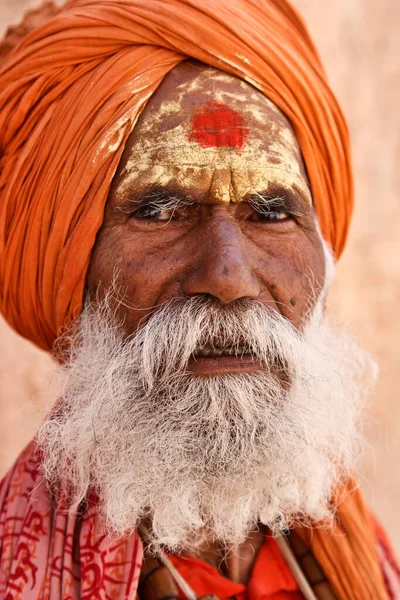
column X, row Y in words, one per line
column 235, row 564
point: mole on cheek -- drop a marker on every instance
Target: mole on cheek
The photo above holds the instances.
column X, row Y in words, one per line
column 293, row 301
column 218, row 126
column 225, row 271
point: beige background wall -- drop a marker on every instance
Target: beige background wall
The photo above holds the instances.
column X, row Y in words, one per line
column 359, row 41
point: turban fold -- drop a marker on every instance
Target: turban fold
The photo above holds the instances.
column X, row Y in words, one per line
column 70, row 95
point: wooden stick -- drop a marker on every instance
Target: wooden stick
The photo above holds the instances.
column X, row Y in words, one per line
column 179, row 580
column 163, row 558
column 295, row 568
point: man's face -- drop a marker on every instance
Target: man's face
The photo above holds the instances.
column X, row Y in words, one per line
column 211, row 198
column 224, row 386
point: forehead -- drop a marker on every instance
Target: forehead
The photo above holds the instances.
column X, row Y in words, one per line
column 204, row 130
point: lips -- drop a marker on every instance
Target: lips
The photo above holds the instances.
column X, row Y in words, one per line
column 218, row 358
column 223, row 359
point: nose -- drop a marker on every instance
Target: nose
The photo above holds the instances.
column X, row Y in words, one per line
column 222, row 266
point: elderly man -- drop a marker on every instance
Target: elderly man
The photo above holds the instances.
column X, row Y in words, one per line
column 175, row 188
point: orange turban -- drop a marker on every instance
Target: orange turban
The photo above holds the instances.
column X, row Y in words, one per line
column 70, row 95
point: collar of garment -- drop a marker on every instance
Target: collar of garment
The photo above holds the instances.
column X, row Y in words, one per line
column 270, row 577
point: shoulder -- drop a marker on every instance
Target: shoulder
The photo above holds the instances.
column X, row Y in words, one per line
column 24, row 508
column 45, row 549
column 21, row 493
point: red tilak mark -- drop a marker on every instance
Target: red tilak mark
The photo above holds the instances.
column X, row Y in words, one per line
column 218, row 126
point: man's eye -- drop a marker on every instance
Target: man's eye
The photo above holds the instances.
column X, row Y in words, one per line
column 156, row 214
column 269, row 216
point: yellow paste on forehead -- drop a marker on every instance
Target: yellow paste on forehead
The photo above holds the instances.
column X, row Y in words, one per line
column 162, row 153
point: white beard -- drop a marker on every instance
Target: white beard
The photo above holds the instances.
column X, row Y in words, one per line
column 218, row 454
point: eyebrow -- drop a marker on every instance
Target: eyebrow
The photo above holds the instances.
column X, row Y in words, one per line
column 157, row 198
column 283, row 199
column 275, row 198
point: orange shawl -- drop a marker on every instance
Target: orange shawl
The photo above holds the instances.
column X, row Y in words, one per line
column 70, row 95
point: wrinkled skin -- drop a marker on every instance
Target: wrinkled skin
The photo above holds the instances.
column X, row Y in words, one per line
column 217, row 144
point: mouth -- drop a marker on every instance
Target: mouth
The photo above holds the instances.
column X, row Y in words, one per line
column 222, row 351
column 218, row 360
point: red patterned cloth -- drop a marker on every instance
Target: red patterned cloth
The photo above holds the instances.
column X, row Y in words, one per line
column 48, row 554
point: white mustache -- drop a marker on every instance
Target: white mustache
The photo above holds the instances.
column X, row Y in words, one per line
column 184, row 328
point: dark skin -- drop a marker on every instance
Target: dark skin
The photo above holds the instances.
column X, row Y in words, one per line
column 241, row 223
